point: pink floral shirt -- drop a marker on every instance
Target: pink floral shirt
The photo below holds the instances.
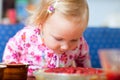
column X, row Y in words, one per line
column 27, row 47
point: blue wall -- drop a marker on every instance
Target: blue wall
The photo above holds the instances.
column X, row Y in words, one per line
column 100, row 10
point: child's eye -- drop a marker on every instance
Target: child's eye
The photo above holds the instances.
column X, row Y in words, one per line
column 59, row 39
column 74, row 40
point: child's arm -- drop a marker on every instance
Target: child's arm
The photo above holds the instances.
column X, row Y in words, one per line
column 83, row 60
column 15, row 46
column 12, row 50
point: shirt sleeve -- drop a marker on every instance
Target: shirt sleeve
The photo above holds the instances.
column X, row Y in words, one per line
column 83, row 58
column 13, row 49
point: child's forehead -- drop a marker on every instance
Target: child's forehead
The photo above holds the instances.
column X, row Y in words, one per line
column 60, row 22
column 57, row 22
column 61, row 18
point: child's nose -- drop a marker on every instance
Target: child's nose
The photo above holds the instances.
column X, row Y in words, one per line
column 65, row 47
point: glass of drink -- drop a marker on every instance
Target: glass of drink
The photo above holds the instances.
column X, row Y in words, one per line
column 110, row 62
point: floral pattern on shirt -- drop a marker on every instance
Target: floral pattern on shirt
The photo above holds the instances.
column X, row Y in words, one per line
column 27, row 47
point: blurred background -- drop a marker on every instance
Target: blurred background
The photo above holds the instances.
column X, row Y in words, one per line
column 102, row 12
column 15, row 11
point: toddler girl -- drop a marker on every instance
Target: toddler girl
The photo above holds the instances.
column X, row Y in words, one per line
column 53, row 37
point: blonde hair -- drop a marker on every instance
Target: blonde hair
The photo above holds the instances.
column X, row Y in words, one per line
column 69, row 8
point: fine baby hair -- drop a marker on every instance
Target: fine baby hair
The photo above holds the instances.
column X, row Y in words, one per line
column 76, row 9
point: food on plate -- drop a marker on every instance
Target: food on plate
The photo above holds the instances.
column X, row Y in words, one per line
column 74, row 70
column 15, row 62
column 70, row 73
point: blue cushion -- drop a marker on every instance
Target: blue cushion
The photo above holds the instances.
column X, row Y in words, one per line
column 101, row 38
column 6, row 32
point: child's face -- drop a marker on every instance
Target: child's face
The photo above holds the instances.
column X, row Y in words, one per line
column 61, row 34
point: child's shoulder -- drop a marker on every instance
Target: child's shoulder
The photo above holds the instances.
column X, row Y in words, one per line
column 30, row 30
